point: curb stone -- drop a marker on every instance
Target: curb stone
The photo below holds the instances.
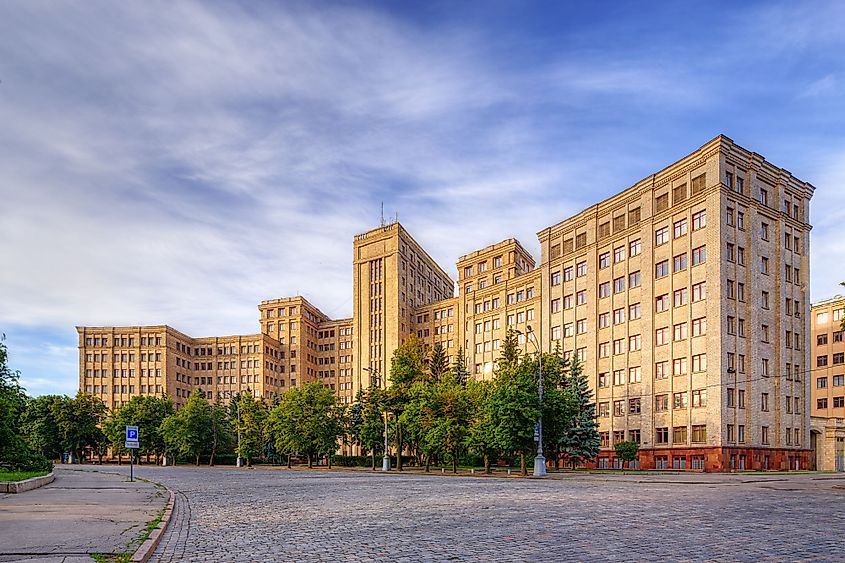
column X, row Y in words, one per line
column 13, row 487
column 146, row 549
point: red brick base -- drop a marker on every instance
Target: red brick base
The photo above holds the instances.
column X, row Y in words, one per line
column 716, row 459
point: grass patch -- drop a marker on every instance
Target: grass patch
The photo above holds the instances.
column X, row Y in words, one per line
column 151, row 525
column 6, row 475
column 124, row 557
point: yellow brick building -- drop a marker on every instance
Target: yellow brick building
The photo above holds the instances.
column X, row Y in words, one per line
column 826, row 376
column 685, row 296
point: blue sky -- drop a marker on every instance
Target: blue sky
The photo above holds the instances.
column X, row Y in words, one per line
column 179, row 162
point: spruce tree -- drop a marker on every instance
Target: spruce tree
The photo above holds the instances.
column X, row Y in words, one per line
column 438, row 365
column 460, row 373
column 581, row 440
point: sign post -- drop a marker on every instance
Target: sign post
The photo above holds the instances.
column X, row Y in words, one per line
column 132, row 444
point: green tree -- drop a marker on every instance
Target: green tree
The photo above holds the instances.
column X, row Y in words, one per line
column 220, row 431
column 438, row 364
column 481, row 433
column 459, row 369
column 145, row 412
column 580, row 442
column 627, row 452
column 248, row 416
column 39, row 426
column 449, row 431
column 188, row 432
column 305, row 421
column 515, row 406
column 407, row 366
column 371, row 435
column 79, row 421
column 419, row 417
column 14, row 451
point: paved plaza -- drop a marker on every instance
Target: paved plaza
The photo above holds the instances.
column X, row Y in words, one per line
column 279, row 515
column 85, row 510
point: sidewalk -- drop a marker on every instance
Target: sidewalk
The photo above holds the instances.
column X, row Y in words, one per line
column 80, row 513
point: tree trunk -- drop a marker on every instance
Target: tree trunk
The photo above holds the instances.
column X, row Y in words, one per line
column 310, row 461
column 198, row 460
column 398, row 446
column 211, row 457
column 330, row 460
column 487, row 469
column 289, row 455
column 454, row 462
column 373, row 455
column 428, row 463
column 522, row 467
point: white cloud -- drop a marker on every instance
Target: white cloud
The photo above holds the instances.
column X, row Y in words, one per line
column 178, row 162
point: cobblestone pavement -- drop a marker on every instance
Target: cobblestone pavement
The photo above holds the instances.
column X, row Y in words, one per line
column 278, row 515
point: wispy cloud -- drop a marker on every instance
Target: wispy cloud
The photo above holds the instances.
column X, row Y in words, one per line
column 178, row 163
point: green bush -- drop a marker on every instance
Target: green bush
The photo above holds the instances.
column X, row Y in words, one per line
column 352, row 460
column 27, row 460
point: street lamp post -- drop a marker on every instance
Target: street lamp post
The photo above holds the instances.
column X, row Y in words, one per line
column 539, row 459
column 238, row 463
column 385, row 460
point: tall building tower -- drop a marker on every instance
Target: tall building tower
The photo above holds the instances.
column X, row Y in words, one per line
column 391, row 276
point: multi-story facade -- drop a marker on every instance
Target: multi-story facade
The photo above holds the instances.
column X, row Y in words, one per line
column 826, row 375
column 685, row 297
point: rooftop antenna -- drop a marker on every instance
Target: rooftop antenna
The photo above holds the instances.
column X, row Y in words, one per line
column 382, row 214
column 397, row 217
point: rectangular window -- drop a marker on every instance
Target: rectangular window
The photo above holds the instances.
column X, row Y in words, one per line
column 619, row 285
column 618, row 254
column 635, row 248
column 634, row 311
column 680, row 297
column 699, row 220
column 661, row 403
column 634, row 406
column 699, row 326
column 634, row 279
column 679, row 263
column 581, row 269
column 699, row 255
column 661, row 370
column 604, row 260
column 618, row 316
column 661, row 236
column 634, row 375
column 699, row 291
column 661, row 269
column 679, row 229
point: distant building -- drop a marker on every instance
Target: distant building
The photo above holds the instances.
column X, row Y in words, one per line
column 827, row 384
column 685, row 296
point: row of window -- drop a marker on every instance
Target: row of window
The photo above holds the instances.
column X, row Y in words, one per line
column 838, row 402
column 824, row 316
column 680, row 400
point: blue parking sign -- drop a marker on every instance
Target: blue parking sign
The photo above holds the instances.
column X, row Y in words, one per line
column 131, row 433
